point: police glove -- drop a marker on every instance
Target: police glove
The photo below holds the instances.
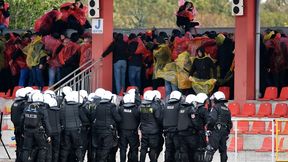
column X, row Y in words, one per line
column 208, row 133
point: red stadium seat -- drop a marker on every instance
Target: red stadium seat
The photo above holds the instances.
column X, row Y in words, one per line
column 283, row 94
column 240, row 142
column 265, row 110
column 285, row 130
column 271, row 93
column 226, row 91
column 242, row 127
column 267, row 145
column 234, row 107
column 248, row 110
column 280, row 110
column 14, row 92
column 35, row 87
column 45, row 88
column 258, row 127
column 162, row 90
column 147, row 89
column 269, row 129
column 131, row 87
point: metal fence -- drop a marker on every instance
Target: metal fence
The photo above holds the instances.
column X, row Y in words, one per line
column 256, row 143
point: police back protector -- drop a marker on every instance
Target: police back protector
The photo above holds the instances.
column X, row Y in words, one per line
column 32, row 117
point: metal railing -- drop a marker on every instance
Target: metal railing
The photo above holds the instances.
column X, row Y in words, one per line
column 85, row 77
column 274, row 135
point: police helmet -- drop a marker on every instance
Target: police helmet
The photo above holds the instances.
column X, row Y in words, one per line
column 219, row 96
column 52, row 102
column 29, row 89
column 77, row 97
column 91, row 96
column 47, row 97
column 66, row 90
column 157, row 94
column 132, row 91
column 149, row 95
column 31, row 94
column 99, row 92
column 37, row 97
column 69, row 98
column 114, row 99
column 107, row 96
column 50, row 92
column 129, row 100
column 190, row 99
column 175, row 96
column 83, row 93
column 201, row 98
column 21, row 93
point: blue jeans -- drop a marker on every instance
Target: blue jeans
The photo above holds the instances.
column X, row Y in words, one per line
column 169, row 87
column 37, row 76
column 2, row 27
column 54, row 75
column 120, row 74
column 24, row 74
column 135, row 76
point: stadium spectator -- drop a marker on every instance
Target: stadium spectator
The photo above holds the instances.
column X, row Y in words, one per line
column 36, row 59
column 134, row 61
column 185, row 16
column 53, row 45
column 4, row 15
column 119, row 48
column 86, row 49
column 19, row 59
column 45, row 24
column 69, row 56
column 203, row 66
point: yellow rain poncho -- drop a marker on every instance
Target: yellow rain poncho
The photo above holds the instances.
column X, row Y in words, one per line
column 162, row 56
column 183, row 64
column 34, row 52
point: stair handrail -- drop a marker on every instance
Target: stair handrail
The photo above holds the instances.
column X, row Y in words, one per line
column 75, row 76
column 70, row 74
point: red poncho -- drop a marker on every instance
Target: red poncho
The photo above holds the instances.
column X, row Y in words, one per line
column 179, row 45
column 4, row 20
column 85, row 54
column 210, row 47
column 46, row 21
column 66, row 10
column 80, row 14
column 67, row 52
column 51, row 45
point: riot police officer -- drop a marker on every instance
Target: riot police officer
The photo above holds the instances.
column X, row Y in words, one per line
column 170, row 122
column 37, row 128
column 17, row 109
column 219, row 124
column 104, row 117
column 54, row 120
column 150, row 126
column 187, row 129
column 201, row 116
column 72, row 117
column 128, row 128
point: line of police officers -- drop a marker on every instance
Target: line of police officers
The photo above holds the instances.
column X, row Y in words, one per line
column 64, row 128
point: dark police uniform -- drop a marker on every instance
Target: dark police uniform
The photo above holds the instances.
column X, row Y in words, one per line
column 17, row 109
column 36, row 131
column 188, row 133
column 104, row 119
column 89, row 107
column 170, row 122
column 150, row 126
column 72, row 117
column 128, row 131
column 54, row 120
column 219, row 124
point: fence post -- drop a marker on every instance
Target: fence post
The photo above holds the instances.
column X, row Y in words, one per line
column 236, row 141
